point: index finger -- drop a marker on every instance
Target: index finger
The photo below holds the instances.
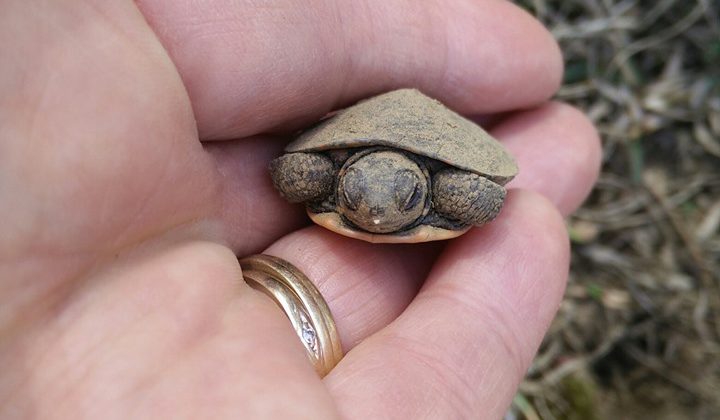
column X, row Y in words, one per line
column 249, row 67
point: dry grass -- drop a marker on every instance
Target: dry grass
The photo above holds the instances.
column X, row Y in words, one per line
column 638, row 334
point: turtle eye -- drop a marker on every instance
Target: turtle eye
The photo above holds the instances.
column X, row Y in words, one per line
column 408, row 190
column 353, row 187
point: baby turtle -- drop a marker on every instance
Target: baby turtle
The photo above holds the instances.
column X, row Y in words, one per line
column 399, row 167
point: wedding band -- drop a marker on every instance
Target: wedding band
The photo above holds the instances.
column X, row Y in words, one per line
column 303, row 304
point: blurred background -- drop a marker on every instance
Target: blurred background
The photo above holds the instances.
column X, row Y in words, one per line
column 638, row 334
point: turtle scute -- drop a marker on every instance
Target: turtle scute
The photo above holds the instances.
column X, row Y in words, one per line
column 406, row 119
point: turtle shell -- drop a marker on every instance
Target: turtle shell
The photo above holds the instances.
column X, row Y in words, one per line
column 420, row 233
column 406, row 119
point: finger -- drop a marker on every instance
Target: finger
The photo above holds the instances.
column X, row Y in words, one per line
column 249, row 67
column 558, row 152
column 463, row 345
column 557, row 149
column 366, row 285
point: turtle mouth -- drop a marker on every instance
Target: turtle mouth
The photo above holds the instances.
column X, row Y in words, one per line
column 383, row 191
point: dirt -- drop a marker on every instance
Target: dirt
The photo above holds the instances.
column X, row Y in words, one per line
column 638, row 334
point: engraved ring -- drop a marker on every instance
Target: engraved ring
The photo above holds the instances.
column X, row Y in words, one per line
column 302, row 303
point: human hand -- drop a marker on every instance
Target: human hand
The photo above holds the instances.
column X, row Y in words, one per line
column 120, row 291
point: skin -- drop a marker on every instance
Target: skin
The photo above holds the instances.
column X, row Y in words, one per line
column 119, row 287
column 382, row 191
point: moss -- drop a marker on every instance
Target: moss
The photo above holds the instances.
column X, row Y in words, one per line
column 580, row 393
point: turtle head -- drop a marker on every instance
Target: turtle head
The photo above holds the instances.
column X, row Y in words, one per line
column 382, row 191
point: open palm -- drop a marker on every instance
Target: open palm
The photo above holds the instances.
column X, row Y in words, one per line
column 133, row 161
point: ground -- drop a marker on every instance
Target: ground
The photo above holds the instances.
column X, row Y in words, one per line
column 638, row 334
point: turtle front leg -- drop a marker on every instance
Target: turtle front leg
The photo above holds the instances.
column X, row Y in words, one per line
column 303, row 176
column 466, row 197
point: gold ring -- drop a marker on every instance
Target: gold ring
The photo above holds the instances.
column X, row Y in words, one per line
column 303, row 304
